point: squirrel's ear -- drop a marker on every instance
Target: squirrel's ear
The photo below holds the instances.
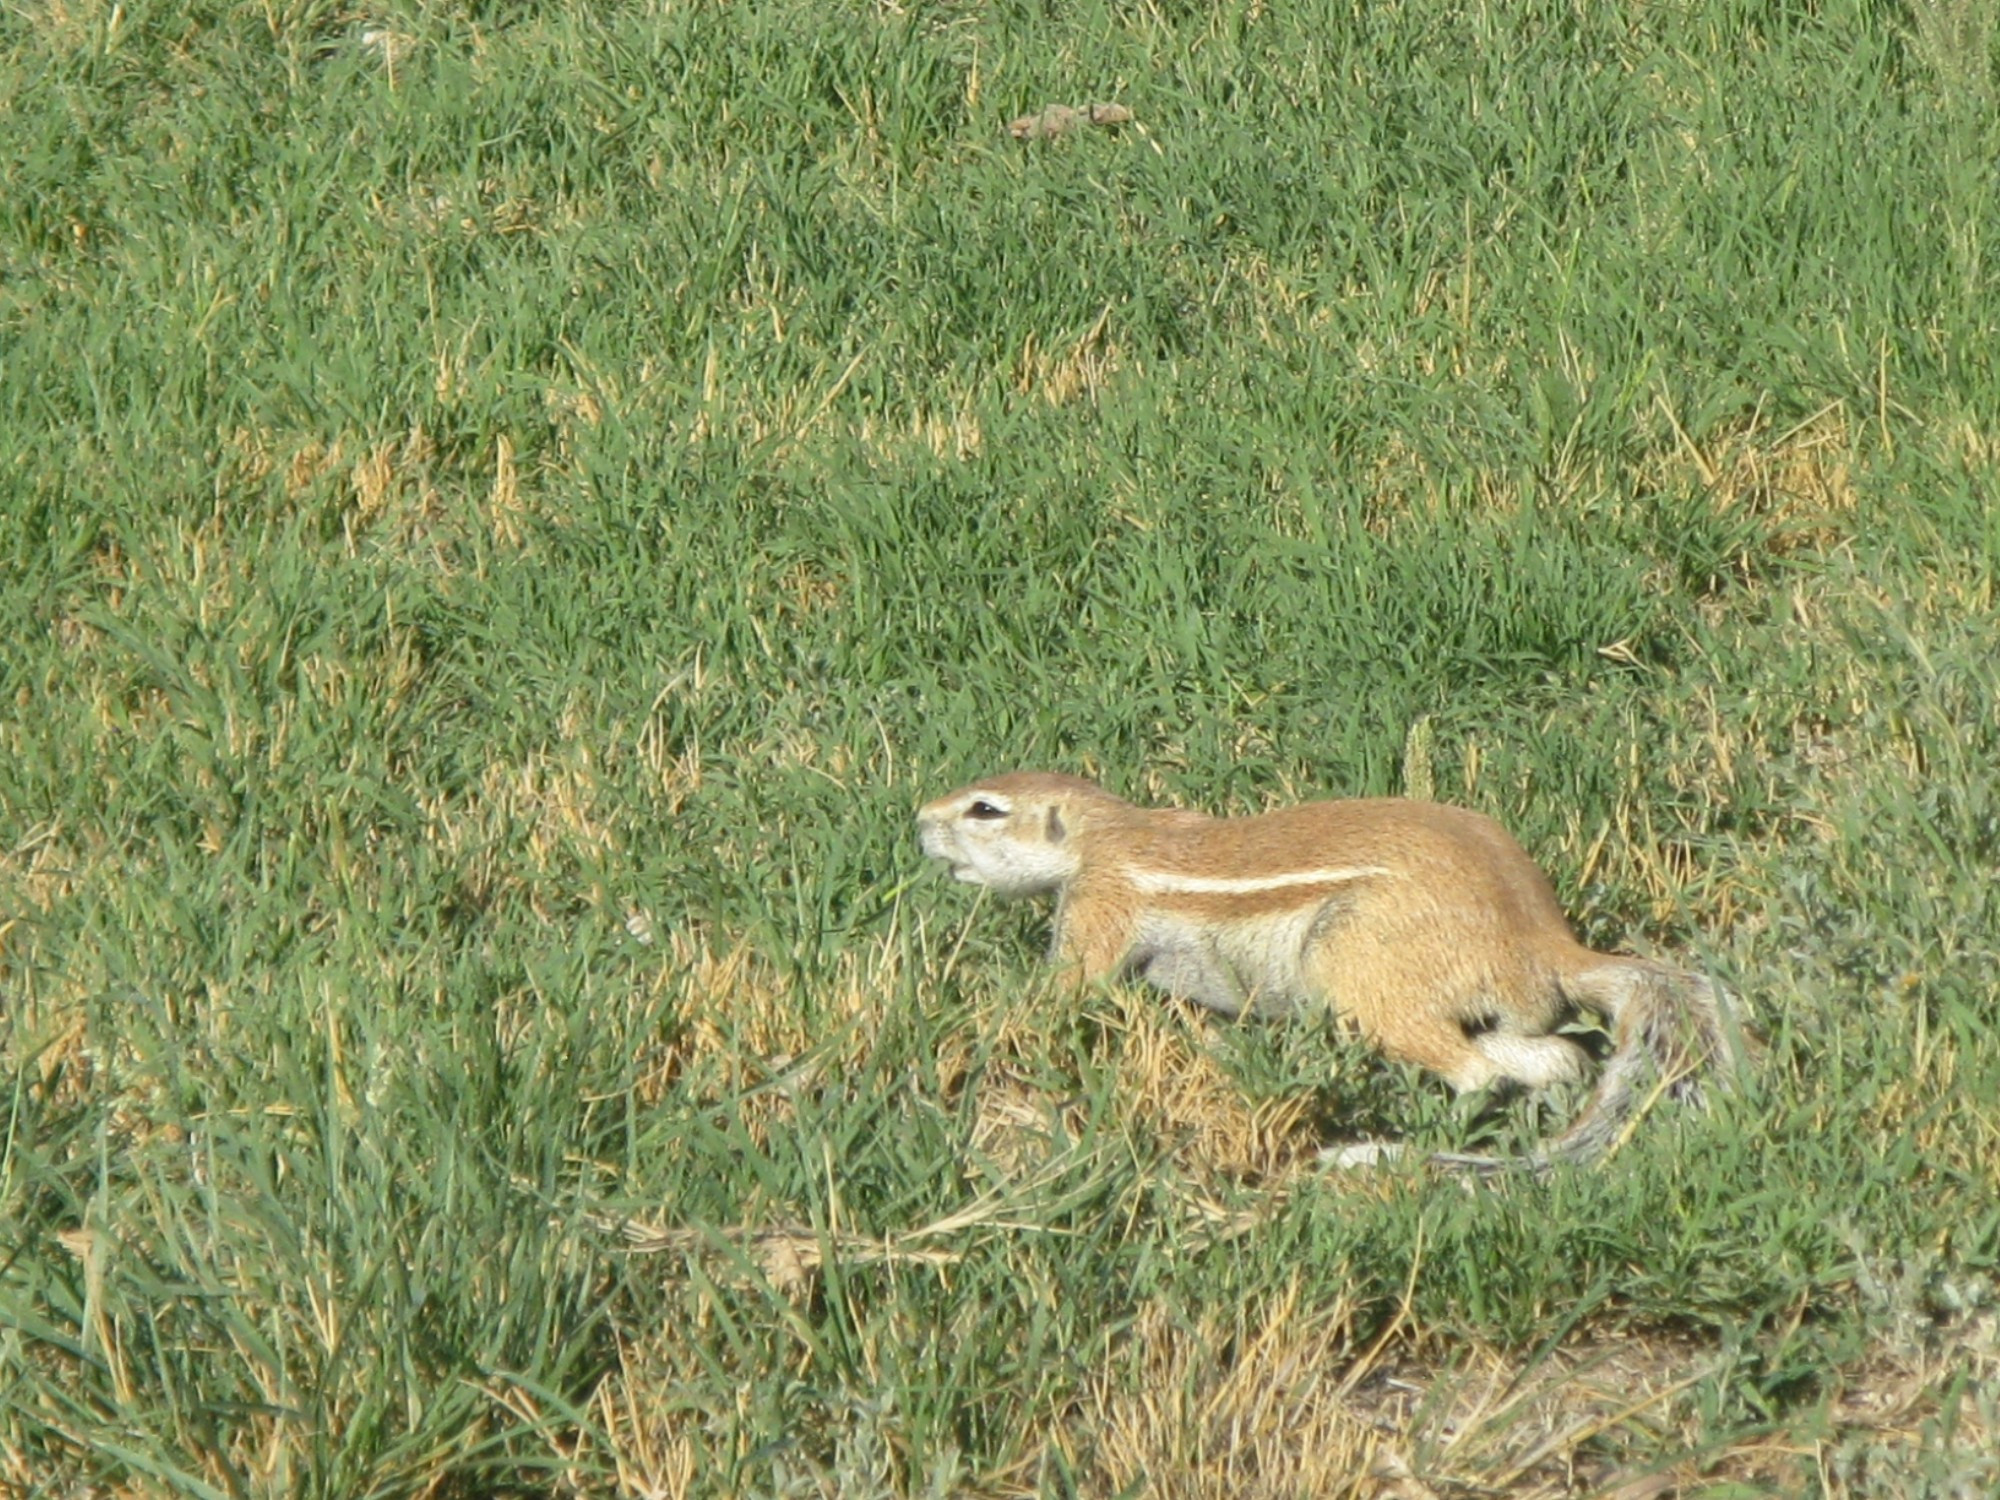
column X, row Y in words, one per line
column 1056, row 830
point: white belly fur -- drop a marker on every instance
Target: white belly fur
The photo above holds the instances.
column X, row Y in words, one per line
column 1229, row 967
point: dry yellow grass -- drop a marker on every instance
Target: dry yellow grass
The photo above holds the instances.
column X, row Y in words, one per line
column 1248, row 1406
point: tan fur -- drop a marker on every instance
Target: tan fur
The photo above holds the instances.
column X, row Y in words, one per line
column 1426, row 927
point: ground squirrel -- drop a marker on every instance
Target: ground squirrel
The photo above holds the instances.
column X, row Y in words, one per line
column 1425, row 926
column 1055, row 120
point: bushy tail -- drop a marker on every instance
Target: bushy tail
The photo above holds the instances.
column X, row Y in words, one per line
column 1672, row 1033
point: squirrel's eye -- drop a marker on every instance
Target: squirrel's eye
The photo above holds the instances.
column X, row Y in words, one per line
column 984, row 809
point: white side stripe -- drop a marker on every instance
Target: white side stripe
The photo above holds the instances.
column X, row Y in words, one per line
column 1161, row 882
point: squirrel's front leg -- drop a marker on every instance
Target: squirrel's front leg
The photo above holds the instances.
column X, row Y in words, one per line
column 1093, row 937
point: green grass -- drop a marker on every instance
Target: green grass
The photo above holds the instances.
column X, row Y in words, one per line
column 504, row 512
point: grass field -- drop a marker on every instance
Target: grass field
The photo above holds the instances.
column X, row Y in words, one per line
column 506, row 509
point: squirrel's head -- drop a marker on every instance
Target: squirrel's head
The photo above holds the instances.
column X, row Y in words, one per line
column 1014, row 834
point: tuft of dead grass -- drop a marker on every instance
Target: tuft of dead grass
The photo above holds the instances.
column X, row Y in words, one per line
column 1173, row 1090
column 1175, row 1087
column 1798, row 483
column 1247, row 1405
column 745, row 1034
column 1078, row 369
